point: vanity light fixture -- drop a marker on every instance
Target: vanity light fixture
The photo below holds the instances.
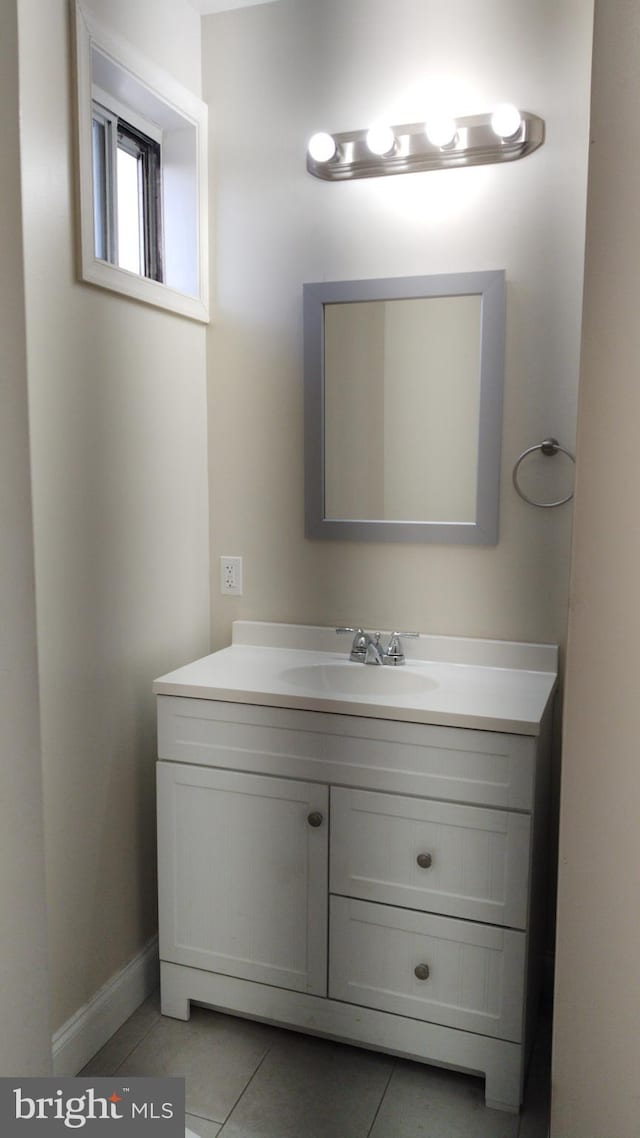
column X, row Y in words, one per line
column 501, row 136
column 381, row 140
column 506, row 121
column 441, row 131
column 322, row 147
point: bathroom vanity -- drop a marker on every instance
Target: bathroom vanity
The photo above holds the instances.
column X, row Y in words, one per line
column 359, row 852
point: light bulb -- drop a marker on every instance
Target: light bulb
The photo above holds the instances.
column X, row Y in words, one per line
column 506, row 120
column 441, row 131
column 380, row 139
column 322, row 147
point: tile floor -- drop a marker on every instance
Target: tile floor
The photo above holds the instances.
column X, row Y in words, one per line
column 249, row 1080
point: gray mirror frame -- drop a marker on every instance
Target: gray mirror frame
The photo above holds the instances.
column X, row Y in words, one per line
column 490, row 286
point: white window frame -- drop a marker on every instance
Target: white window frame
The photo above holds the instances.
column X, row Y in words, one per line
column 101, row 184
column 139, row 91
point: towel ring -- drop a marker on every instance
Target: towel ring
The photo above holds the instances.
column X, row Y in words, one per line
column 547, row 447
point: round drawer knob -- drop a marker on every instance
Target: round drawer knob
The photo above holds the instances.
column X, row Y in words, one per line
column 424, row 860
column 421, row 971
column 315, row 818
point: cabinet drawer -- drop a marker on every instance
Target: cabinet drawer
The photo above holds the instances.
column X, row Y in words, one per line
column 460, row 861
column 474, row 974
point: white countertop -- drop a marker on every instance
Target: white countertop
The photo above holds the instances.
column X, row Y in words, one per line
column 454, row 681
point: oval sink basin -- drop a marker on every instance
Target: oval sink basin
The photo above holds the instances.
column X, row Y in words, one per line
column 357, row 679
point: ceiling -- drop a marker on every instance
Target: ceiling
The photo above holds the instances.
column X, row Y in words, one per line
column 208, row 7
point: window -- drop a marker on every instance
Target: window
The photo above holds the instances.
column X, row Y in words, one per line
column 142, row 172
column 127, row 191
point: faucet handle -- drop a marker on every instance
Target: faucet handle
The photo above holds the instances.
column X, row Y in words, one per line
column 394, row 653
column 359, row 646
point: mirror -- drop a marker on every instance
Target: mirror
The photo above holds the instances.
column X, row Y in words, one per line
column 403, row 408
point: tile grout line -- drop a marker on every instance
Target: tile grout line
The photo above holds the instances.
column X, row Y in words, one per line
column 136, row 1045
column 203, row 1118
column 246, row 1088
column 382, row 1097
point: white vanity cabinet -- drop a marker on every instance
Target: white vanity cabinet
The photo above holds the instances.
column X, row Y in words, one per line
column 365, row 879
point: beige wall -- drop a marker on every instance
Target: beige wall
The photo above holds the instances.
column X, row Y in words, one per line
column 275, row 73
column 596, row 1053
column 25, row 1039
column 118, row 420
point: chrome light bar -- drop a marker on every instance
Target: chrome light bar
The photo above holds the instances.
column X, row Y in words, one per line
column 475, row 141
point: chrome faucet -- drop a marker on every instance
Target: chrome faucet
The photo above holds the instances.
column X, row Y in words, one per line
column 394, row 652
column 361, row 640
column 366, row 647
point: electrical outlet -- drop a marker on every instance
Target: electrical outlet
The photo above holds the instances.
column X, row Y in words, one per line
column 231, row 576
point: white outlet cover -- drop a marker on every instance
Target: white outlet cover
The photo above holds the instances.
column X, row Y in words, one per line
column 231, row 575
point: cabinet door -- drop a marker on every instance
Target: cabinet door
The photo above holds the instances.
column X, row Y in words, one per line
column 243, row 875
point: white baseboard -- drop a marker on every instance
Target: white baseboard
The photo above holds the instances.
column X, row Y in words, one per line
column 77, row 1041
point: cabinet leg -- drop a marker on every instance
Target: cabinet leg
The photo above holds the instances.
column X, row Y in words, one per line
column 503, row 1086
column 172, row 1000
column 176, row 1007
column 507, row 1107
